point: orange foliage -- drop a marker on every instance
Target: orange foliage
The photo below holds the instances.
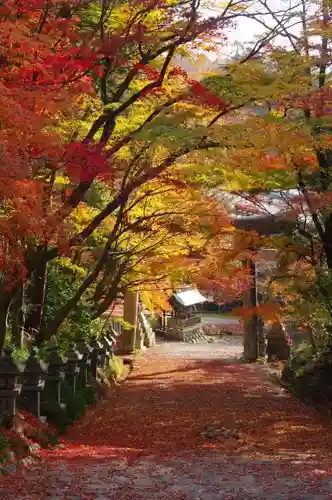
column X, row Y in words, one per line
column 41, row 80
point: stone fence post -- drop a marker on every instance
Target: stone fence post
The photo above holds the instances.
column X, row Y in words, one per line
column 102, row 354
column 54, row 373
column 113, row 336
column 39, row 376
column 33, row 383
column 110, row 342
column 9, row 387
column 108, row 351
column 94, row 356
column 84, row 363
column 71, row 367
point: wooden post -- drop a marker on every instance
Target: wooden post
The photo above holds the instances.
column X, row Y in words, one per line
column 164, row 322
column 130, row 315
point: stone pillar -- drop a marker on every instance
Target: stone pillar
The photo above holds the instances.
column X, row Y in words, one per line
column 130, row 315
column 84, row 363
column 94, row 357
column 33, row 383
column 71, row 367
column 261, row 333
column 277, row 345
column 54, row 373
column 107, row 352
column 9, row 388
column 110, row 342
column 254, row 340
column 139, row 336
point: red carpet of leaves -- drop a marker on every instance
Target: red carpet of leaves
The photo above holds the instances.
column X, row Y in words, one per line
column 167, row 402
column 163, row 408
column 27, row 428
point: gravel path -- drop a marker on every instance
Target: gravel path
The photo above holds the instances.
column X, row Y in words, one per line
column 190, row 424
column 227, row 348
column 213, row 320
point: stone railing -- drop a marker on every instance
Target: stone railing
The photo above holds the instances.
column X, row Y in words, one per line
column 147, row 333
column 116, row 327
column 28, row 380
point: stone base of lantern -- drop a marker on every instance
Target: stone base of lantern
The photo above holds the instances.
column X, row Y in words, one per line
column 52, row 385
column 8, row 404
column 82, row 378
column 31, row 399
column 71, row 379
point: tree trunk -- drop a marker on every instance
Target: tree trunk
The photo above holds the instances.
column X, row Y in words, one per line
column 328, row 241
column 5, row 300
column 112, row 292
column 17, row 310
column 109, row 272
column 312, row 339
column 251, row 338
column 36, row 298
column 51, row 329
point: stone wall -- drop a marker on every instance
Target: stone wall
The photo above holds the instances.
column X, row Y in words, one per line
column 185, row 329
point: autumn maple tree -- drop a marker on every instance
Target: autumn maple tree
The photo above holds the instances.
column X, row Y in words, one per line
column 154, row 240
column 279, row 151
column 72, row 73
column 43, row 78
column 102, row 99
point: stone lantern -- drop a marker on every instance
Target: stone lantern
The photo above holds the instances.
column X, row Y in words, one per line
column 102, row 354
column 113, row 337
column 54, row 372
column 95, row 356
column 33, row 383
column 84, row 362
column 278, row 346
column 9, row 388
column 110, row 342
column 71, row 367
column 108, row 352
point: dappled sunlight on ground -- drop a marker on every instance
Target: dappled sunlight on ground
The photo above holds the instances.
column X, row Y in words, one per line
column 167, row 411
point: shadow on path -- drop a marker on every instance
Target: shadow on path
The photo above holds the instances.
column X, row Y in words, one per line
column 165, row 411
column 160, row 413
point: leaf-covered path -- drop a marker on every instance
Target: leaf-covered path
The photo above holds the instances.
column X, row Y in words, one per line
column 166, row 435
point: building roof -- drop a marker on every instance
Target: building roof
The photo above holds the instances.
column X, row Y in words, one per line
column 189, row 298
column 264, row 225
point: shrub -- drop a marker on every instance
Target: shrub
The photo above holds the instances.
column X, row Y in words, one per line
column 300, row 357
column 74, row 406
column 55, row 414
column 115, row 368
column 310, row 376
column 64, row 279
column 4, row 446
